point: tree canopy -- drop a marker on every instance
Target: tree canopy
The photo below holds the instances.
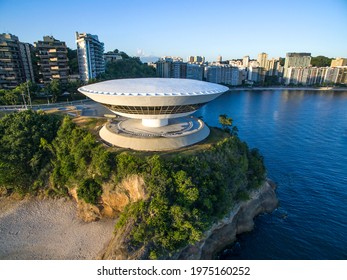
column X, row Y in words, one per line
column 23, row 158
column 128, row 67
column 321, row 61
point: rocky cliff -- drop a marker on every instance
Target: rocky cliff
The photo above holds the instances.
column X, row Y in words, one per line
column 114, row 199
column 239, row 220
column 220, row 234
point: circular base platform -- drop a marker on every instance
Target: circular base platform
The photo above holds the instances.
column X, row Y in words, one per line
column 179, row 132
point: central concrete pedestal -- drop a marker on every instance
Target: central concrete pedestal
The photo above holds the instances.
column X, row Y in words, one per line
column 132, row 134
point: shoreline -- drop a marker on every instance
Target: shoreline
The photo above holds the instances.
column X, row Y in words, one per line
column 290, row 88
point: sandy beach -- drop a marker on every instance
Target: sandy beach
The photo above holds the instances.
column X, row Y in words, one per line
column 49, row 229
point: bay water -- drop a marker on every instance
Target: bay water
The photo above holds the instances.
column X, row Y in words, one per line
column 303, row 138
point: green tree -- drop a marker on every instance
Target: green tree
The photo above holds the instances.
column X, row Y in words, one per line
column 128, row 67
column 55, row 89
column 227, row 124
column 9, row 97
column 89, row 190
column 23, row 159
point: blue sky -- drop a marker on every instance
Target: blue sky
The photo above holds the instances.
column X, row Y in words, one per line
column 231, row 28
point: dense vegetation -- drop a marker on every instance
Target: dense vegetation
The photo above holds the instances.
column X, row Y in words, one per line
column 321, row 61
column 185, row 191
column 23, row 159
column 45, row 152
column 127, row 67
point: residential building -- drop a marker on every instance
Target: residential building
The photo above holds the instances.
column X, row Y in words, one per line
column 262, row 58
column 178, row 70
column 195, row 71
column 342, row 76
column 339, row 62
column 219, row 59
column 295, row 60
column 245, row 61
column 199, row 59
column 90, row 53
column 112, row 57
column 53, row 61
column 15, row 62
column 223, row 74
column 171, row 67
column 272, row 67
column 254, row 74
column 163, row 68
column 25, row 53
column 307, row 76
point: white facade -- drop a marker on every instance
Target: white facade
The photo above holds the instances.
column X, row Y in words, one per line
column 90, row 53
column 245, row 61
column 224, row 74
column 153, row 99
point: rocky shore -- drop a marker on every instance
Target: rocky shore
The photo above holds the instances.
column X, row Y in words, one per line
column 221, row 234
column 239, row 220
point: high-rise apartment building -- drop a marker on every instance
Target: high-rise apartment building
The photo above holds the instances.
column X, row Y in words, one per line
column 15, row 62
column 272, row 67
column 171, row 67
column 196, row 59
column 339, row 62
column 262, row 58
column 224, row 74
column 25, row 52
column 195, row 71
column 90, row 53
column 295, row 60
column 245, row 61
column 178, row 70
column 53, row 61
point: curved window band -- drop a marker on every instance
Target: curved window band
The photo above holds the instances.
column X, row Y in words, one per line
column 154, row 110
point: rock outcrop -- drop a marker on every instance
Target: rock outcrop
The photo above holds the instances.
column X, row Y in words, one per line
column 113, row 200
column 221, row 234
column 239, row 220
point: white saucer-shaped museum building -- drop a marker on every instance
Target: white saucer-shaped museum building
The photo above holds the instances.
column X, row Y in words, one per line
column 155, row 111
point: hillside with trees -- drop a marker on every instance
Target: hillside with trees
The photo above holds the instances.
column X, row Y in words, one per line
column 321, row 61
column 185, row 191
column 127, row 67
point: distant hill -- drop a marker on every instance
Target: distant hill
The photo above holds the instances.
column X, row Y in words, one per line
column 146, row 59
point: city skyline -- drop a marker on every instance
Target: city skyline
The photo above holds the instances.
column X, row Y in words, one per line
column 184, row 28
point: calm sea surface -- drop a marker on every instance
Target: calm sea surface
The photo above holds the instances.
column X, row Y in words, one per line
column 303, row 138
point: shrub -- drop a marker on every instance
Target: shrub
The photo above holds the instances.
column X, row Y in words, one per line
column 89, row 190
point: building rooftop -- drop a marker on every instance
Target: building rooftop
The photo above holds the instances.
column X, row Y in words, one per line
column 154, row 87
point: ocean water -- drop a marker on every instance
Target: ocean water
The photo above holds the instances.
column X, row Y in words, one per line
column 303, row 138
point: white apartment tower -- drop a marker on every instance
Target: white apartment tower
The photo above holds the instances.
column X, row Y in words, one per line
column 90, row 56
column 245, row 61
